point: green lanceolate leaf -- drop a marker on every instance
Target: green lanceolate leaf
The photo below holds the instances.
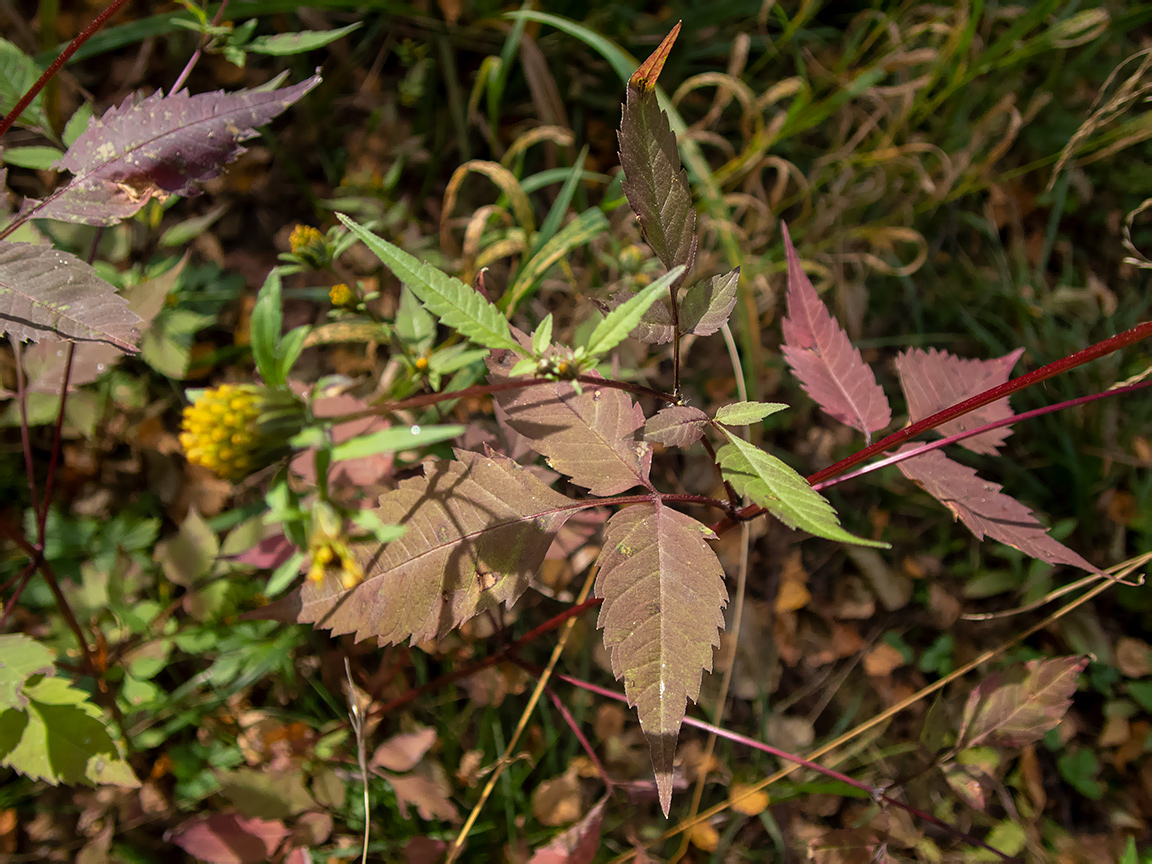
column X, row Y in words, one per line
column 780, row 490
column 618, row 323
column 747, row 413
column 664, row 596
column 542, row 338
column 456, row 304
column 583, row 229
column 392, row 439
column 284, row 44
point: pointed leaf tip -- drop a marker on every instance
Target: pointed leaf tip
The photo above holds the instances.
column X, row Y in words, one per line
column 644, row 78
column 819, row 353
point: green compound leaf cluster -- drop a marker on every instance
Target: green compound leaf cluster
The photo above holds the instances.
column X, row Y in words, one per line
column 49, row 729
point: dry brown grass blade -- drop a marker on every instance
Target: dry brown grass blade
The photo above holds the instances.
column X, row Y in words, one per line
column 1057, row 593
column 560, row 135
column 1133, row 88
column 458, row 844
column 1137, row 257
column 473, row 234
column 1123, row 570
column 507, row 183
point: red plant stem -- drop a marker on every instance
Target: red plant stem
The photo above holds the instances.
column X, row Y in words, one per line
column 872, row 791
column 1092, row 352
column 38, row 561
column 25, row 439
column 580, row 736
column 73, row 46
column 57, row 444
column 191, row 64
column 960, row 436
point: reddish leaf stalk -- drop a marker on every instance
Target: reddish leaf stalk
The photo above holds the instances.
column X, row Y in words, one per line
column 1093, row 352
column 581, row 737
column 960, row 436
column 25, row 440
column 872, row 791
column 72, row 48
column 191, row 64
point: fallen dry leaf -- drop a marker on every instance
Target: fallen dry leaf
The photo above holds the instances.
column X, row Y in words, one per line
column 745, row 801
column 557, row 801
column 882, row 660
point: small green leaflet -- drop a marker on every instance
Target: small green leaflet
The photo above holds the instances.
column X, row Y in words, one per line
column 284, row 44
column 618, row 323
column 780, row 490
column 456, row 304
column 542, row 338
column 392, row 439
column 746, row 413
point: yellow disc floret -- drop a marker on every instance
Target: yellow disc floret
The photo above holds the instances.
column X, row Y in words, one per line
column 232, row 428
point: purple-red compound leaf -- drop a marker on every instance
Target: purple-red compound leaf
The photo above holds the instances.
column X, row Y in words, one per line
column 818, row 352
column 654, row 181
column 706, row 306
column 677, row 426
column 50, row 295
column 161, row 145
column 986, row 510
column 589, row 436
column 934, row 380
column 578, row 844
column 1011, row 709
column 477, row 530
column 663, row 591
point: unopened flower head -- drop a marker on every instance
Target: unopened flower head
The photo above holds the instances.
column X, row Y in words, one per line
column 234, row 429
column 342, row 296
column 309, row 245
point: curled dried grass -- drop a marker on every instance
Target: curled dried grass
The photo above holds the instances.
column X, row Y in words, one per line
column 503, row 178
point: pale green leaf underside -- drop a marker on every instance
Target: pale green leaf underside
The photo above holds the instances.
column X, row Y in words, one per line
column 20, row 658
column 392, row 439
column 663, row 591
column 746, row 413
column 780, row 490
column 61, row 738
column 618, row 323
column 456, row 304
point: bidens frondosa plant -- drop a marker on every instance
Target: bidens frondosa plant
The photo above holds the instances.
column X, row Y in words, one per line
column 471, row 532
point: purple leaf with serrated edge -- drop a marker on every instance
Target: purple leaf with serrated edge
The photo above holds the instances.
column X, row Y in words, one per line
column 163, row 144
column 704, row 307
column 50, row 295
column 986, row 510
column 578, row 844
column 1018, row 708
column 934, row 380
column 656, row 185
column 663, row 591
column 677, row 426
column 819, row 353
column 478, row 529
column 228, row 838
column 44, row 362
column 588, row 436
